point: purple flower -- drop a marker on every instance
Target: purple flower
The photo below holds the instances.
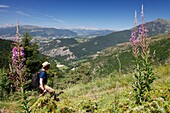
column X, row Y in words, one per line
column 23, row 59
column 14, row 49
column 21, row 53
column 17, row 54
column 132, row 36
column 22, row 48
column 134, row 40
column 14, row 61
column 18, row 60
column 140, row 30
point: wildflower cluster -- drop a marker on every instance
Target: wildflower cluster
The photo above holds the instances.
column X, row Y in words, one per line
column 18, row 56
column 143, row 68
column 134, row 39
column 18, row 61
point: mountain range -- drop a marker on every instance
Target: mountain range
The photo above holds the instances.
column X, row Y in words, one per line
column 73, row 48
column 93, row 45
column 8, row 31
column 36, row 31
column 90, row 33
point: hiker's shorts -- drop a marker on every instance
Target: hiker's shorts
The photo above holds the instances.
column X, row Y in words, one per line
column 49, row 89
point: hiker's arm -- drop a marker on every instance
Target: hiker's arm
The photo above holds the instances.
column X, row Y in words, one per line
column 41, row 84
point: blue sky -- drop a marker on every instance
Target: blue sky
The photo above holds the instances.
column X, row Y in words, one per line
column 111, row 14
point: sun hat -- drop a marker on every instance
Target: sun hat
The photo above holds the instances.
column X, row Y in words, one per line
column 45, row 64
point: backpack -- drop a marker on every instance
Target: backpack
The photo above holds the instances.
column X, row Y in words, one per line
column 35, row 80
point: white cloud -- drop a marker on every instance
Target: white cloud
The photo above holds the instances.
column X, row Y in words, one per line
column 59, row 20
column 49, row 16
column 55, row 19
column 23, row 14
column 4, row 6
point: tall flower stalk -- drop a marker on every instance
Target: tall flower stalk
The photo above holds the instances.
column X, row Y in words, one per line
column 19, row 66
column 134, row 39
column 18, row 61
column 143, row 69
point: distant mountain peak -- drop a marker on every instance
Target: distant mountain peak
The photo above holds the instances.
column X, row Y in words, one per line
column 161, row 20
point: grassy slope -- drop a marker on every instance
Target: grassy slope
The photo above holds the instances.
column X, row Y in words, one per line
column 106, row 92
column 107, row 61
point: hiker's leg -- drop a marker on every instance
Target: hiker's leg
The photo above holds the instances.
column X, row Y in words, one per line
column 50, row 90
column 42, row 92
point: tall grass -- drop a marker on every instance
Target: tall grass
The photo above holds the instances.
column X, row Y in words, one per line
column 108, row 95
column 113, row 93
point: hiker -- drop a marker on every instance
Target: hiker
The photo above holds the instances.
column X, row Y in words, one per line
column 43, row 81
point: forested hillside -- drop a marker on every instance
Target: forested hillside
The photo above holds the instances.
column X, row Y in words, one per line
column 119, row 59
column 5, row 51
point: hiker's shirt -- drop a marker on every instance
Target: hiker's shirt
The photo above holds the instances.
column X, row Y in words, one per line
column 44, row 76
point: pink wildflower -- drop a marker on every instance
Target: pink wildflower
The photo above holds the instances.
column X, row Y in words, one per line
column 134, row 39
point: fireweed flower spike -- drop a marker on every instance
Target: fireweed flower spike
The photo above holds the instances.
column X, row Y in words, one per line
column 134, row 39
column 143, row 33
column 134, row 31
column 143, row 69
column 19, row 67
column 18, row 59
column 16, row 54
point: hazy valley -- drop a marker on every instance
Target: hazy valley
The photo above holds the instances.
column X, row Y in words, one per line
column 76, row 43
